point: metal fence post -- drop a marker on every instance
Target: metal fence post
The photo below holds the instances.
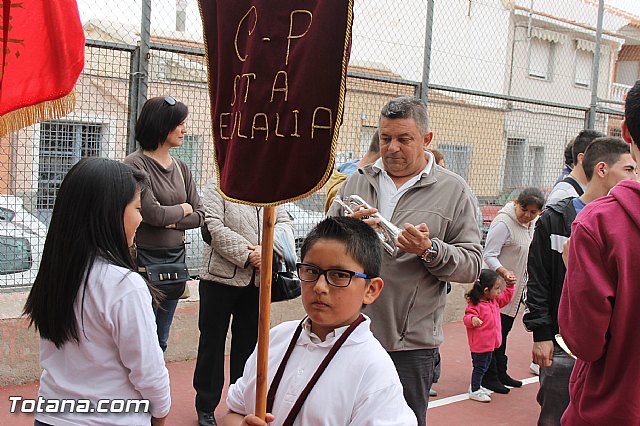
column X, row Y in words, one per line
column 139, row 80
column 596, row 69
column 145, row 39
column 426, row 63
column 132, row 112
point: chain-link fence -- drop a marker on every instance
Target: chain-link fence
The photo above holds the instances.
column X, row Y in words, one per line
column 510, row 84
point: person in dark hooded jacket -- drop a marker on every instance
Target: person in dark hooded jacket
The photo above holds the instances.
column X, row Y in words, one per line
column 599, row 304
column 606, row 162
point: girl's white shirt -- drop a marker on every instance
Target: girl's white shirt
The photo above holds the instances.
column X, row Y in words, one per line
column 117, row 357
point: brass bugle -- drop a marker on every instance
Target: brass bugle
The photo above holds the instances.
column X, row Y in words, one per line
column 387, row 231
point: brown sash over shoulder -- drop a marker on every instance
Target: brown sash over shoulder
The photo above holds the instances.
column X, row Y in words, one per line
column 271, row 396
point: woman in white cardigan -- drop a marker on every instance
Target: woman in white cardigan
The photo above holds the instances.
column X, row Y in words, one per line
column 506, row 251
column 229, row 293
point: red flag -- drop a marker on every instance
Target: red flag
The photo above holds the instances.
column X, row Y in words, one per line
column 277, row 73
column 42, row 56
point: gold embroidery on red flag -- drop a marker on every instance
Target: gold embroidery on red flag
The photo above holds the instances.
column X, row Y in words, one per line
column 42, row 57
column 6, row 27
column 44, row 111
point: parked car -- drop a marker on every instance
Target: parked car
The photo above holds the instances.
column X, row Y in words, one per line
column 194, row 247
column 22, row 238
column 313, row 203
column 303, row 221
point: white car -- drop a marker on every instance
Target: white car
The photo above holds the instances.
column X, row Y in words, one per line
column 195, row 250
column 303, row 222
column 22, row 238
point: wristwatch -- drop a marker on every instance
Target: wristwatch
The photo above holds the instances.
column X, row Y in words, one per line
column 430, row 254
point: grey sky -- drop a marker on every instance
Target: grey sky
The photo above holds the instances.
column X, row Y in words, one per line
column 631, row 6
column 129, row 10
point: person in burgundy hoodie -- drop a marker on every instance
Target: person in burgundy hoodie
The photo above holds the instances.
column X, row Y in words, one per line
column 484, row 328
column 599, row 304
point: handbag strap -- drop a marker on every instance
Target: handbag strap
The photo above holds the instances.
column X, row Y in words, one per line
column 297, row 406
column 175, row 163
column 184, row 183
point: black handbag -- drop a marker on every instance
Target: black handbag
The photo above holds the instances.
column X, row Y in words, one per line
column 285, row 285
column 165, row 268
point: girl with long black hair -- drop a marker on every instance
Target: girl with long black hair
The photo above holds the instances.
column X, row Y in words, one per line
column 93, row 312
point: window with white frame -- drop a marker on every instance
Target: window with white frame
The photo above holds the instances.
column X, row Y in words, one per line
column 540, row 58
column 584, row 66
column 457, row 158
column 514, row 164
column 181, row 15
column 63, row 144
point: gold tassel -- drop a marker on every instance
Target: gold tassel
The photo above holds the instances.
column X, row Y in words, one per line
column 44, row 111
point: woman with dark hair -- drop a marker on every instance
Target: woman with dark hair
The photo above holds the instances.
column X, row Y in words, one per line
column 506, row 252
column 92, row 311
column 170, row 203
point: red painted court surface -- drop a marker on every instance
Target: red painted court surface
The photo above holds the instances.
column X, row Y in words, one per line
column 450, row 407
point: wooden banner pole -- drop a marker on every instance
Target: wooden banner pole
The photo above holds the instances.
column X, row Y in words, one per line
column 265, row 312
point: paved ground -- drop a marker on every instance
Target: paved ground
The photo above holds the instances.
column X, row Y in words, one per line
column 451, row 407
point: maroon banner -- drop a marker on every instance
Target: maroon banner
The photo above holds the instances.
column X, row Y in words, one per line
column 277, row 74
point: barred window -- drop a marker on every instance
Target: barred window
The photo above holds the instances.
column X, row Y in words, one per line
column 63, row 144
column 514, row 165
column 457, row 158
column 536, row 161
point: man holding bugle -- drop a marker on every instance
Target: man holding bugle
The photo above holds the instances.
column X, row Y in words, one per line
column 439, row 241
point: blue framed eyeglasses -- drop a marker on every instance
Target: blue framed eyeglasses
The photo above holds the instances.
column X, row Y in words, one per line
column 170, row 100
column 335, row 277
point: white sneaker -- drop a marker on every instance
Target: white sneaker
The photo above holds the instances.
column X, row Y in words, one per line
column 479, row 396
column 485, row 390
column 482, row 389
column 534, row 369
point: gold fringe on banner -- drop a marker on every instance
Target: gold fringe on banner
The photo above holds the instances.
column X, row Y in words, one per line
column 44, row 111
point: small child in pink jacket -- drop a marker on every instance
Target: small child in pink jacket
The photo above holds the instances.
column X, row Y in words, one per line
column 484, row 329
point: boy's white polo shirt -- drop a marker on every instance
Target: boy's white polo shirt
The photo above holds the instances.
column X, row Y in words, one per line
column 359, row 387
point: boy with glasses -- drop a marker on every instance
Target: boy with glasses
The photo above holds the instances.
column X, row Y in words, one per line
column 328, row 368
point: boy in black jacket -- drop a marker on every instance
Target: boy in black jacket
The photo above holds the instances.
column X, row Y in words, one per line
column 606, row 162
